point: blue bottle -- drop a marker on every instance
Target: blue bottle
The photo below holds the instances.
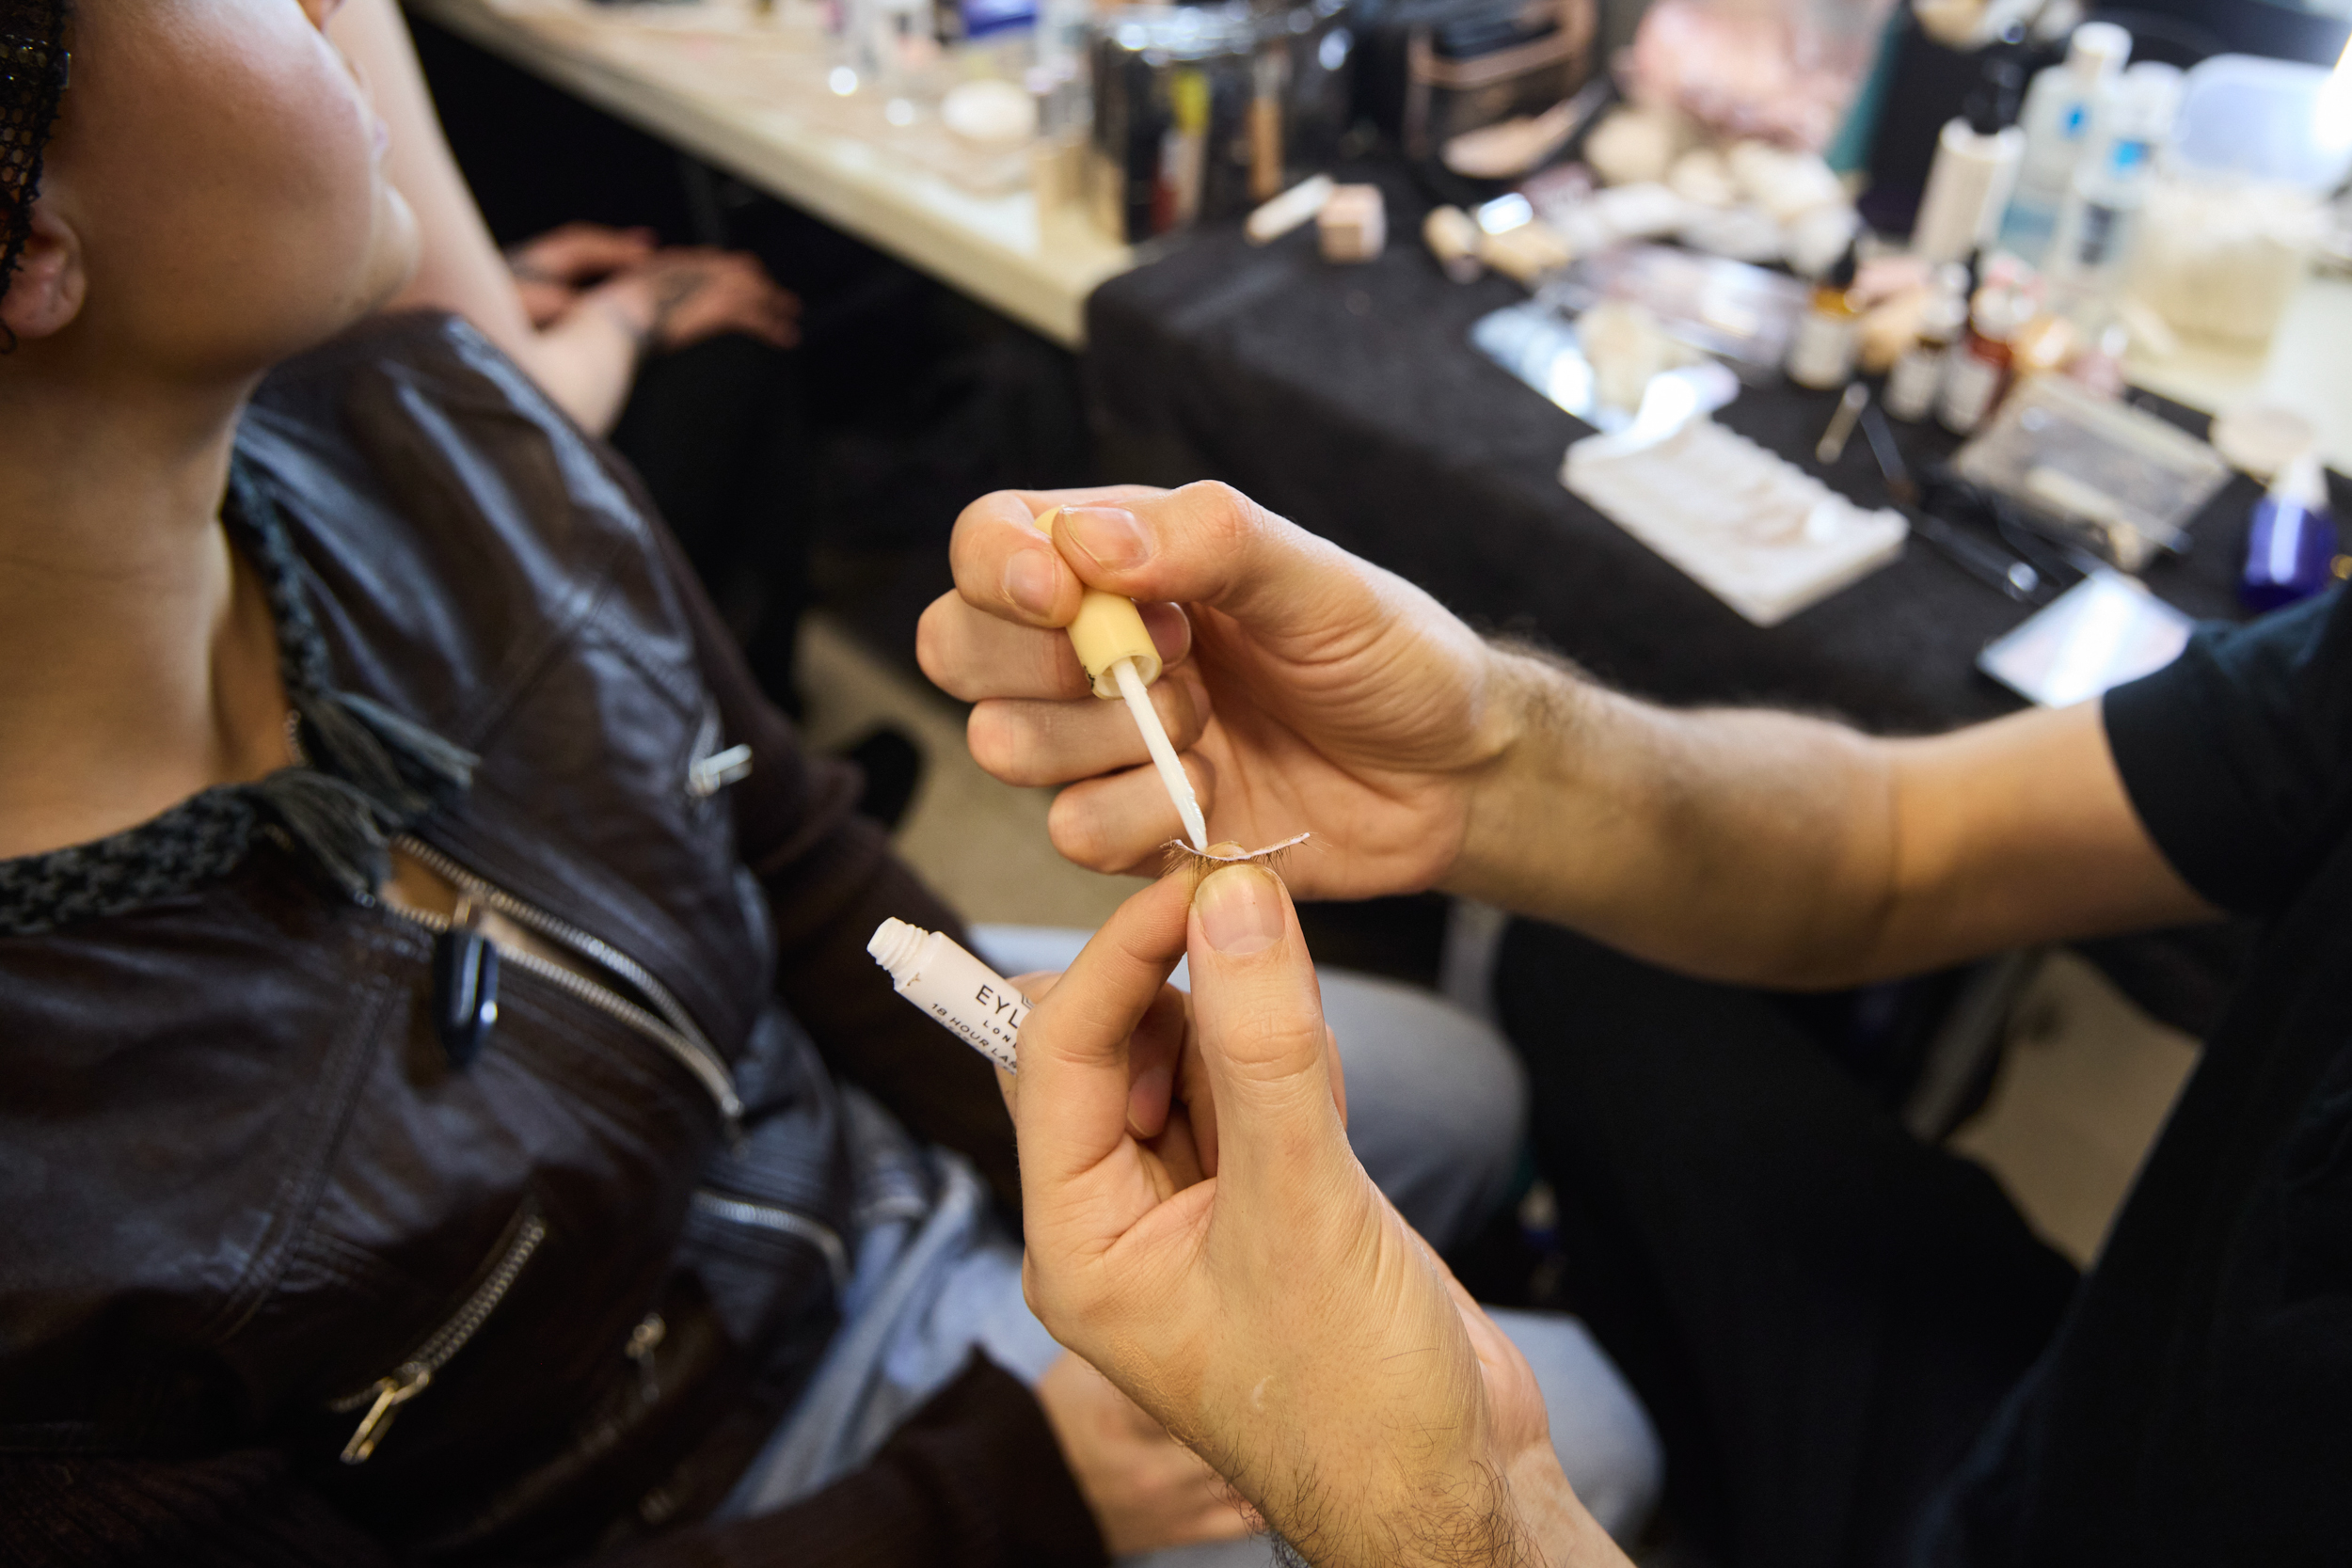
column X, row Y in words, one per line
column 2291, row 546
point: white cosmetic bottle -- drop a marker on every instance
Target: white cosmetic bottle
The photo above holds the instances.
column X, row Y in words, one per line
column 974, row 1002
column 1975, row 166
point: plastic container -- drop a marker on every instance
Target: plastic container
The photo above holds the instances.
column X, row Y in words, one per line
column 2096, row 226
column 2236, row 210
column 1976, row 158
column 2291, row 540
column 2126, row 480
column 2059, row 122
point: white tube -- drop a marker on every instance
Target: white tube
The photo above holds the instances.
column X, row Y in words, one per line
column 1163, row 755
column 971, row 999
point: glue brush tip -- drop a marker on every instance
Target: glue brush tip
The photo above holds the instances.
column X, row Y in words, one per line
column 1163, row 758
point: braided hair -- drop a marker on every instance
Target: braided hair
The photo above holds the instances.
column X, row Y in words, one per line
column 32, row 79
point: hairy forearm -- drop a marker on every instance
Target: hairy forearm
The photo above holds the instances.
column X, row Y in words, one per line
column 1747, row 847
column 1523, row 1515
column 1770, row 848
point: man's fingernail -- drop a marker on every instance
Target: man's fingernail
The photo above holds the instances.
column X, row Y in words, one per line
column 1030, row 581
column 1108, row 533
column 1240, row 909
column 1149, row 1095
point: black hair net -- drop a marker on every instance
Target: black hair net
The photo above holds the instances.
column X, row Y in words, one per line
column 32, row 78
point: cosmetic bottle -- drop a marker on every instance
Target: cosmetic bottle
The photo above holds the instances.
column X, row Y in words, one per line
column 1821, row 351
column 2291, row 543
column 2096, row 226
column 1978, row 367
column 1976, row 157
column 2060, row 123
column 1917, row 378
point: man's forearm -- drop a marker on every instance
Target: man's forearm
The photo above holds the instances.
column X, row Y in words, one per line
column 1521, row 1515
column 1739, row 845
column 1767, row 848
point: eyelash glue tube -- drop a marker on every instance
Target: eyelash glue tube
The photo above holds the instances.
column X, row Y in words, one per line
column 1121, row 659
column 974, row 1002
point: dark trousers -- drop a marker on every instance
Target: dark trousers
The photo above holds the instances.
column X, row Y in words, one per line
column 1821, row 1312
column 720, row 435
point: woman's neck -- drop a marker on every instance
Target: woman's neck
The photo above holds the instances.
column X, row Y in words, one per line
column 141, row 656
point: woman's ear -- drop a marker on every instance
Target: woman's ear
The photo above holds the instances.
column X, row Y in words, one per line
column 47, row 290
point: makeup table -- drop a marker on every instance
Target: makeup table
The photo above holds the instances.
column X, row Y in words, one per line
column 1349, row 400
column 752, row 93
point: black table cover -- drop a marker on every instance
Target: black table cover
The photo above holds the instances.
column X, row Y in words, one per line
column 1348, row 399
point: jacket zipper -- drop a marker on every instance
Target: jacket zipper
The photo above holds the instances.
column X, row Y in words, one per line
column 674, row 1031
column 387, row 1394
column 788, row 1222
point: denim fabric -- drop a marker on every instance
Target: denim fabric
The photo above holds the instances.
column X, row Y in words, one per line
column 1436, row 1105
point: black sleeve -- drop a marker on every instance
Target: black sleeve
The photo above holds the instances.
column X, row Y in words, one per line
column 2238, row 756
column 974, row 1479
column 831, row 878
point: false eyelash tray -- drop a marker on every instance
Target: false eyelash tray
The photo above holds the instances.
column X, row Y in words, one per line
column 1755, row 530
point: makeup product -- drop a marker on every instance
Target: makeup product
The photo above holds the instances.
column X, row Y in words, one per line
column 1453, row 239
column 1169, row 142
column 1832, row 446
column 1976, row 167
column 1917, row 375
column 1270, row 80
column 1176, row 855
column 1116, row 650
column 1828, row 335
column 2291, row 542
column 2096, row 224
column 2059, row 122
column 974, row 1003
column 1744, row 523
column 1353, row 224
column 1297, row 205
column 1978, row 372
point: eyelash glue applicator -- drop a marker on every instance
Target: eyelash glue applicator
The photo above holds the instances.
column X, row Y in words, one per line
column 972, row 1001
column 1117, row 651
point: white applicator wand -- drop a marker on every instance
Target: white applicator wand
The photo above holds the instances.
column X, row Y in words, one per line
column 1116, row 649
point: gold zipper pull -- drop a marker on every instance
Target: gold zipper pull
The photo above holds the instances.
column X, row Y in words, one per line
column 642, row 1341
column 391, row 1394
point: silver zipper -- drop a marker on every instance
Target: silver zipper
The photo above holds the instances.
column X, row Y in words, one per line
column 767, row 1217
column 676, row 1031
column 387, row 1394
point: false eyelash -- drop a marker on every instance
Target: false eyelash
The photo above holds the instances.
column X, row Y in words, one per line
column 1179, row 856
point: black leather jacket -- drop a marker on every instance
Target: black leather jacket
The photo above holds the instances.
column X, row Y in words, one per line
column 247, row 1201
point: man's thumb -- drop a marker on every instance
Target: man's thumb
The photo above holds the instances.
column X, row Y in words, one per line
column 1259, row 1017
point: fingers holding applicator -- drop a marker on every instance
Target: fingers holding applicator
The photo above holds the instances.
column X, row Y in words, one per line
column 1116, row 649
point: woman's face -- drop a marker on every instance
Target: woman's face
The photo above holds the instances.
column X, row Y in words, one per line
column 221, row 173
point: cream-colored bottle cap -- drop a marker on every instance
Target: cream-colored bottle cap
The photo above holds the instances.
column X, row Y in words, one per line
column 1108, row 629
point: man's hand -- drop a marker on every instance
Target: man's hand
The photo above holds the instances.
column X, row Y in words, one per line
column 1147, row 1491
column 1307, row 688
column 1309, row 691
column 1272, row 1311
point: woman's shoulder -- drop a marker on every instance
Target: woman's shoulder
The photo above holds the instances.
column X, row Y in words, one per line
column 455, row 524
